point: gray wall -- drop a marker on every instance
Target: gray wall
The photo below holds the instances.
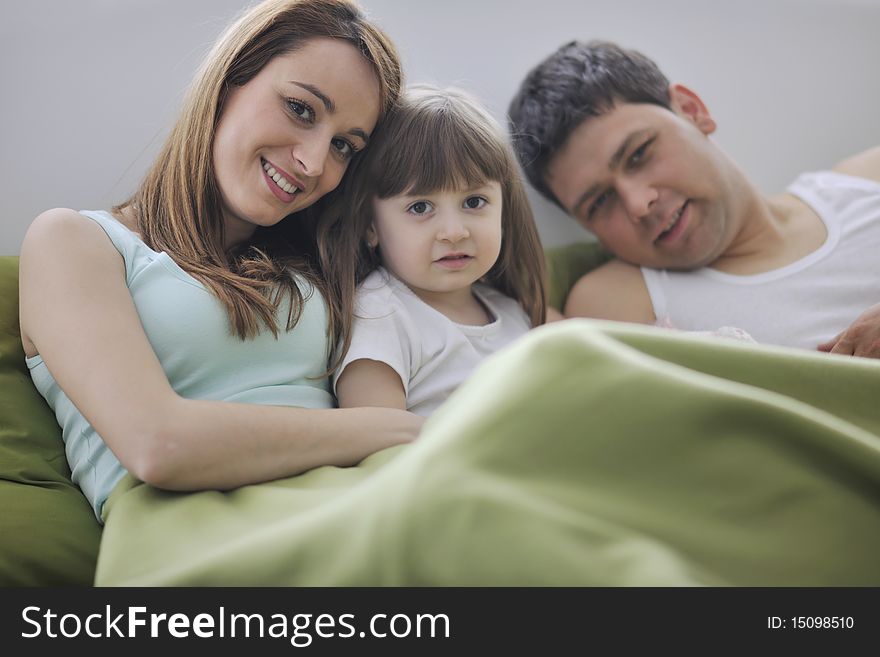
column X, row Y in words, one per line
column 89, row 87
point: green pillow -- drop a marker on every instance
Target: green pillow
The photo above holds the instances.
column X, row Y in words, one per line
column 566, row 264
column 48, row 533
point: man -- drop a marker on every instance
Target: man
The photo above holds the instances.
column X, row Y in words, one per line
column 601, row 132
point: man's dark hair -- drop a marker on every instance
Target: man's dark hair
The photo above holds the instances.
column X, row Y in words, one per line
column 579, row 80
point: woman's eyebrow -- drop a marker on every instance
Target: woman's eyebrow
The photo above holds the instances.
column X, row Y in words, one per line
column 312, row 89
column 329, row 105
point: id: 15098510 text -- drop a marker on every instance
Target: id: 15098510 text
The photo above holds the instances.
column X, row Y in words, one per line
column 810, row 623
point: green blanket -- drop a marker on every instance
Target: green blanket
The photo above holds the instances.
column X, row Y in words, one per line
column 588, row 453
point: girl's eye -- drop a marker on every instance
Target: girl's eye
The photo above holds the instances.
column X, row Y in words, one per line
column 420, row 208
column 301, row 110
column 344, row 147
column 475, row 202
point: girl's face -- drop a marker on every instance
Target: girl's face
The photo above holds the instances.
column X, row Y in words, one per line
column 286, row 137
column 439, row 243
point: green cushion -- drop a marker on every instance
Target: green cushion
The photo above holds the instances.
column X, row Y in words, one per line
column 48, row 533
column 566, row 264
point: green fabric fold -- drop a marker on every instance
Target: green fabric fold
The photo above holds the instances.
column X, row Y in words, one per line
column 587, row 454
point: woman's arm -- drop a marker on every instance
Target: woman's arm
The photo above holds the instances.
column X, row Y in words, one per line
column 78, row 314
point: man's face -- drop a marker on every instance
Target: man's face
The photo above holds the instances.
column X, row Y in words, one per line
column 649, row 183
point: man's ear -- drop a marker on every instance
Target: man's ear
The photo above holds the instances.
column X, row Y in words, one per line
column 689, row 105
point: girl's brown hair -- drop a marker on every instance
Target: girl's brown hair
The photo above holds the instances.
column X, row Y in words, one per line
column 178, row 205
column 434, row 139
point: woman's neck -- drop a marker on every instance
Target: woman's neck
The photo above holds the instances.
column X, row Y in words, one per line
column 236, row 233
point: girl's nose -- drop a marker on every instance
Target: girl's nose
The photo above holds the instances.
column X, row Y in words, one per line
column 452, row 228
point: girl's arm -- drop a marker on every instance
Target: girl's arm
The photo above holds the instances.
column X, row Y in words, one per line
column 78, row 314
column 370, row 383
column 553, row 315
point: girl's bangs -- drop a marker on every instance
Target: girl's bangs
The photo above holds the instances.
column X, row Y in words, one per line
column 440, row 149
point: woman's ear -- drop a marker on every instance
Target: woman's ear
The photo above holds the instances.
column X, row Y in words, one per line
column 690, row 106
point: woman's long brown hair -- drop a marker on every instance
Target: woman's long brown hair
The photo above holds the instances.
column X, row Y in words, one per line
column 178, row 205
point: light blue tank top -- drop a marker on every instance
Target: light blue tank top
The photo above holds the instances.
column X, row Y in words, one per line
column 190, row 333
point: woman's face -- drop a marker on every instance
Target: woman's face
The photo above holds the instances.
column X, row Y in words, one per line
column 285, row 138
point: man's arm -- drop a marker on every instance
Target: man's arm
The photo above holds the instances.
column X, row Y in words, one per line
column 614, row 291
column 863, row 165
column 862, row 337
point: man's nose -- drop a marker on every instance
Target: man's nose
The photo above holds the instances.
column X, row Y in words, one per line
column 637, row 198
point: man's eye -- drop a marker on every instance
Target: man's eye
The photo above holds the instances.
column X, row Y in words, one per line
column 639, row 154
column 601, row 200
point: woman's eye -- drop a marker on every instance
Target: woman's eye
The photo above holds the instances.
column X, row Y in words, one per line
column 475, row 202
column 344, row 147
column 301, row 110
column 420, row 208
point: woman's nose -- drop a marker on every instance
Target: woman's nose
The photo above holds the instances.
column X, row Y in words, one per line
column 311, row 156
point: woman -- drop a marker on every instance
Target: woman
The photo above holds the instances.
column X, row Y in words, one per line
column 183, row 338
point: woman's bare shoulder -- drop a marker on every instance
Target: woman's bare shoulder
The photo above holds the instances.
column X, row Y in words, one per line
column 62, row 228
column 62, row 240
column 59, row 223
column 62, row 250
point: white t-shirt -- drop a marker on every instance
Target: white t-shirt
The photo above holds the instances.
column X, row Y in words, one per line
column 432, row 354
column 803, row 303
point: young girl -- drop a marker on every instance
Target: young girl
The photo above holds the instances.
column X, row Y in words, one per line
column 446, row 251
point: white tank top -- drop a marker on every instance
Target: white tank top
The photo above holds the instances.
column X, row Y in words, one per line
column 801, row 304
column 189, row 330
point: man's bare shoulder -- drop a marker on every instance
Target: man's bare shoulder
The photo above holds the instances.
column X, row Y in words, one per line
column 863, row 165
column 614, row 291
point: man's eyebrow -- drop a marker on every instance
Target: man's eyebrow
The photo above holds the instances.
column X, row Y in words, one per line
column 312, row 89
column 613, row 163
